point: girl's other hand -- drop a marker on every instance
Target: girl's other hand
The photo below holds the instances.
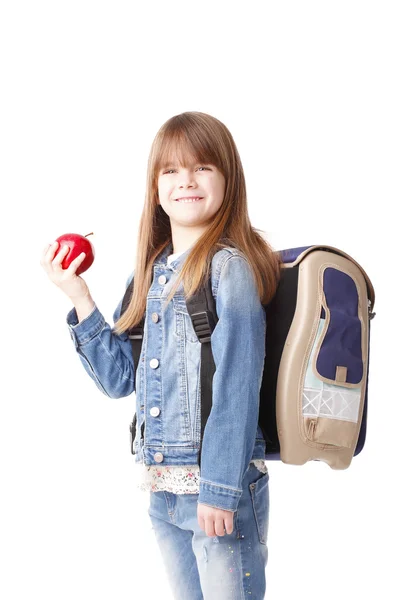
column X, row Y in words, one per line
column 71, row 284
column 214, row 521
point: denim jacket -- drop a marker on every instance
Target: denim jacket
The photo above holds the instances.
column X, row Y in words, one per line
column 167, row 380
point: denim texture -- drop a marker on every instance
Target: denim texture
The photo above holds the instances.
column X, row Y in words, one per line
column 228, row 567
column 167, row 380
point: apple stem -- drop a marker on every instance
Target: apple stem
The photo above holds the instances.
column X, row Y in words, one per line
column 89, row 234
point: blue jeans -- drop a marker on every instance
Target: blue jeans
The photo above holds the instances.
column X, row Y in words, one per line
column 228, row 567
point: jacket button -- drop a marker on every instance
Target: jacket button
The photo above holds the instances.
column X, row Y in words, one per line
column 154, row 363
column 158, row 457
column 154, row 411
column 162, row 279
column 154, row 317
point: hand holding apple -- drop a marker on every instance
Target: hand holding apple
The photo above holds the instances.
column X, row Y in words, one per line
column 63, row 260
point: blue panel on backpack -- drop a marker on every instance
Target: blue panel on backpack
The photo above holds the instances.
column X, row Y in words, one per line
column 342, row 342
column 290, row 255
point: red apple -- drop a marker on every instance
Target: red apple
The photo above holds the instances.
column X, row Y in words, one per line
column 77, row 244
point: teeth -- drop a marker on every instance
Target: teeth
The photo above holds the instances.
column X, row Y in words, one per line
column 189, row 200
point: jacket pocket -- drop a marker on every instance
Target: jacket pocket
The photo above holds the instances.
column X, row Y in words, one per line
column 259, row 491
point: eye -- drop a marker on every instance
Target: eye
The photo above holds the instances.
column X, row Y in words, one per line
column 171, row 170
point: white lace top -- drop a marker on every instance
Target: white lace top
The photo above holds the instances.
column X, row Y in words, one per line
column 178, row 480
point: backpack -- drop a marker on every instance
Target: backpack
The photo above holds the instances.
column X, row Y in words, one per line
column 313, row 394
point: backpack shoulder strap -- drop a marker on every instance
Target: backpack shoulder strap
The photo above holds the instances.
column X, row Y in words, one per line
column 202, row 310
column 135, row 335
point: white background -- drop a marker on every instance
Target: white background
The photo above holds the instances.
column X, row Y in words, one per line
column 310, row 93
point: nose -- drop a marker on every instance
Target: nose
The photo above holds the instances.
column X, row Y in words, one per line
column 187, row 179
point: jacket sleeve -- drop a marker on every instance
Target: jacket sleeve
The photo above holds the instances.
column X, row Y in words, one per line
column 106, row 357
column 238, row 347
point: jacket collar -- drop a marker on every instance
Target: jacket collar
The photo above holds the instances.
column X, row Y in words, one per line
column 175, row 265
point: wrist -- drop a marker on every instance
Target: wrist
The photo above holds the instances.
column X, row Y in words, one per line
column 84, row 305
column 78, row 299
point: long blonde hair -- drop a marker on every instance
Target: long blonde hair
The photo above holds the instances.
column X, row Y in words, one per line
column 207, row 140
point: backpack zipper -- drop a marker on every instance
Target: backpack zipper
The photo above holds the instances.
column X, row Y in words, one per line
column 311, row 428
column 370, row 314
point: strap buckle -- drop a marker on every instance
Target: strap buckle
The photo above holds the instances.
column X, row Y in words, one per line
column 136, row 333
column 203, row 324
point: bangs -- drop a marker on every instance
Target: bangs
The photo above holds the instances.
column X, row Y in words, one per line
column 176, row 149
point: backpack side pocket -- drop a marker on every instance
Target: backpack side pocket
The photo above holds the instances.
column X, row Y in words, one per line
column 335, row 376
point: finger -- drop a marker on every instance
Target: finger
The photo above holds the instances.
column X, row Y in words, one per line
column 219, row 527
column 76, row 262
column 52, row 247
column 210, row 531
column 47, row 257
column 56, row 262
column 47, row 253
column 229, row 524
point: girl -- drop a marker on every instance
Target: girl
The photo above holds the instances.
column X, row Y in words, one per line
column 210, row 523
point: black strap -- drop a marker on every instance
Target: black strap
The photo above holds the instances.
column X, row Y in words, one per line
column 135, row 334
column 202, row 310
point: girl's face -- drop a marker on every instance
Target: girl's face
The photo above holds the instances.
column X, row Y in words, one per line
column 197, row 180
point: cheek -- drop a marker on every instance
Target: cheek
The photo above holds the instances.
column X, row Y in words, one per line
column 162, row 191
column 164, row 185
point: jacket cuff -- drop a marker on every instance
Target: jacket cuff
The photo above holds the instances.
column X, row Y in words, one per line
column 218, row 496
column 83, row 331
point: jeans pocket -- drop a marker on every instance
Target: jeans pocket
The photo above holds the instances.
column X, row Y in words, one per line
column 259, row 491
